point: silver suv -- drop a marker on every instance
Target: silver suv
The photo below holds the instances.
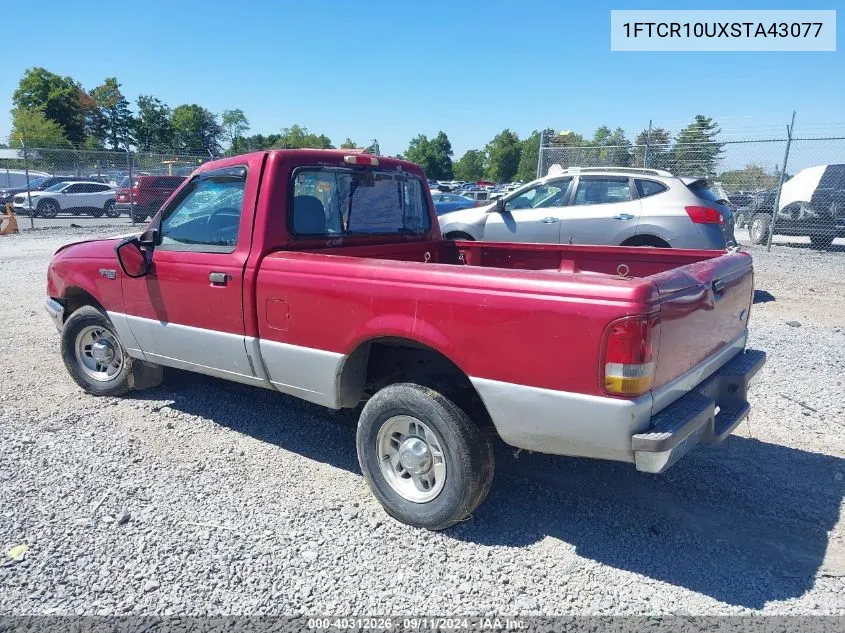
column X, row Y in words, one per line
column 617, row 206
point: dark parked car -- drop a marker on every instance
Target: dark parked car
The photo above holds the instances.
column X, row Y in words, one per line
column 760, row 202
column 42, row 184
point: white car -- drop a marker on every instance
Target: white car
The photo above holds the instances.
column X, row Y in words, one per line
column 77, row 198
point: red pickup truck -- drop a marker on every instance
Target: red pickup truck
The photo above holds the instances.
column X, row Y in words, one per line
column 322, row 274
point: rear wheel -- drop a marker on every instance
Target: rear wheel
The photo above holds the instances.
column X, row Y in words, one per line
column 646, row 240
column 758, row 231
column 138, row 216
column 110, row 211
column 821, row 242
column 47, row 209
column 93, row 355
column 97, row 213
column 425, row 461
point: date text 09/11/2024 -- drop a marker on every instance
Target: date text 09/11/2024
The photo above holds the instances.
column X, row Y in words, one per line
column 418, row 624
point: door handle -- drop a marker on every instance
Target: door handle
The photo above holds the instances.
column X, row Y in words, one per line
column 550, row 220
column 218, row 279
column 623, row 216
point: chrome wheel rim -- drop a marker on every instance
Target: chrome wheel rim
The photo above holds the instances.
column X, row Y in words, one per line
column 98, row 353
column 411, row 458
column 756, row 229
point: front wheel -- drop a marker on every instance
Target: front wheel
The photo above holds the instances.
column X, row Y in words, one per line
column 138, row 216
column 425, row 461
column 48, row 209
column 759, row 229
column 93, row 355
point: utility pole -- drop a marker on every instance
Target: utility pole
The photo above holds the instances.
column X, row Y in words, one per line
column 647, row 141
column 776, row 208
column 26, row 173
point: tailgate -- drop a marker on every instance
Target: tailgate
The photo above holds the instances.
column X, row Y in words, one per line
column 703, row 307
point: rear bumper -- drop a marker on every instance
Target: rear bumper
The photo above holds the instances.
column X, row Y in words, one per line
column 705, row 415
column 581, row 425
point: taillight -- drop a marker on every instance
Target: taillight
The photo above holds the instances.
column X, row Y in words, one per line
column 705, row 215
column 629, row 355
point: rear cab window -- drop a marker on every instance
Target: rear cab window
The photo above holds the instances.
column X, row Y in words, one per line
column 338, row 201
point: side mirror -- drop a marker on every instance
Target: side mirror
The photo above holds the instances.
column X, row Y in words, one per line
column 132, row 259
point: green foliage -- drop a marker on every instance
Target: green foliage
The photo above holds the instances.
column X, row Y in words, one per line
column 503, row 155
column 195, row 128
column 659, row 143
column 152, row 128
column 57, row 98
column 434, row 156
column 613, row 149
column 348, row 144
column 749, row 178
column 296, row 137
column 527, row 170
column 471, row 166
column 233, row 123
column 115, row 114
column 36, row 130
column 696, row 150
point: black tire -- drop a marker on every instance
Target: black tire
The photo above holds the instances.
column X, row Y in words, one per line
column 647, row 241
column 86, row 317
column 741, row 219
column 138, row 217
column 758, row 230
column 467, row 453
column 821, row 242
column 47, row 209
column 110, row 211
column 97, row 213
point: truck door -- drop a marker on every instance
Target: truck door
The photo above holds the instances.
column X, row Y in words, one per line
column 532, row 216
column 188, row 311
column 604, row 210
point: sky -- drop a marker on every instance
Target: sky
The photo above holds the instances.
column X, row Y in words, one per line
column 391, row 70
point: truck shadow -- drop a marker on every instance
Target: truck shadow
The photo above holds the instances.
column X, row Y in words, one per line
column 745, row 522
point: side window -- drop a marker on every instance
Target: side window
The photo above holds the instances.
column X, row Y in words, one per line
column 74, row 189
column 552, row 194
column 602, row 190
column 208, row 214
column 646, row 188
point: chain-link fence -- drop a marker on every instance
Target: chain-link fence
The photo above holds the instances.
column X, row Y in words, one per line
column 789, row 189
column 84, row 184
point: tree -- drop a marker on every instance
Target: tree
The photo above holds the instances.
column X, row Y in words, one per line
column 434, row 156
column 234, row 124
column 527, row 169
column 470, row 167
column 195, row 128
column 612, row 147
column 503, row 155
column 751, row 177
column 94, row 122
column 152, row 127
column 296, row 137
column 696, row 151
column 36, row 130
column 659, row 143
column 348, row 144
column 55, row 97
column 115, row 112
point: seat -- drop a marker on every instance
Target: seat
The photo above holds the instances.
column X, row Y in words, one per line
column 309, row 216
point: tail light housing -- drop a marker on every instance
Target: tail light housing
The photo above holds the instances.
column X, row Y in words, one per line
column 705, row 215
column 629, row 355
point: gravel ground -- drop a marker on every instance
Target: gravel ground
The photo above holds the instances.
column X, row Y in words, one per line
column 205, row 497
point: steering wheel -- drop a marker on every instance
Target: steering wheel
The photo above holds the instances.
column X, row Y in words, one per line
column 226, row 234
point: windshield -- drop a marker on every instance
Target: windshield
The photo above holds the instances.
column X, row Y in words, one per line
column 35, row 183
column 339, row 201
column 57, row 187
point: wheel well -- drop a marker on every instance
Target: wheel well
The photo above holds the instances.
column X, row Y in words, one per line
column 646, row 240
column 76, row 297
column 385, row 361
column 459, row 235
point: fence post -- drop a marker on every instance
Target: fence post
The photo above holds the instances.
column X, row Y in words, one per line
column 540, row 153
column 129, row 174
column 26, row 173
column 780, row 184
column 647, row 141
